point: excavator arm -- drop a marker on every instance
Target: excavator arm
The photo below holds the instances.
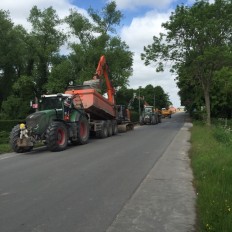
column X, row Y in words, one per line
column 102, row 70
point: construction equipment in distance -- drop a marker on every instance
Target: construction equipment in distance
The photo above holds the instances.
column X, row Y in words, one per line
column 166, row 113
column 71, row 116
column 150, row 116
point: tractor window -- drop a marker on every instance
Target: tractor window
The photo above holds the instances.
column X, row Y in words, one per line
column 148, row 110
column 49, row 103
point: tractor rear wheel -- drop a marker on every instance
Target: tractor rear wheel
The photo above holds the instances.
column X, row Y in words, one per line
column 83, row 131
column 56, row 136
column 153, row 120
column 14, row 137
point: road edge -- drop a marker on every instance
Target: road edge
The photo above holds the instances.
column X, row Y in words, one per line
column 165, row 200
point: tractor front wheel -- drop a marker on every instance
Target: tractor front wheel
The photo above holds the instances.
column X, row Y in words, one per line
column 153, row 120
column 14, row 137
column 57, row 136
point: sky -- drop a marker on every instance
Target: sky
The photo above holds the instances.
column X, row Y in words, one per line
column 142, row 20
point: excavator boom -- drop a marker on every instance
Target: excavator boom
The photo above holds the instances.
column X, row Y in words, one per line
column 103, row 70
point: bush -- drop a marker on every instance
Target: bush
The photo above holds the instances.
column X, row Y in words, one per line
column 134, row 116
column 4, row 148
column 198, row 115
column 7, row 125
column 222, row 135
column 15, row 108
column 4, row 137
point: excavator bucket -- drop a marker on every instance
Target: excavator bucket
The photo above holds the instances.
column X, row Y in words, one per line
column 125, row 127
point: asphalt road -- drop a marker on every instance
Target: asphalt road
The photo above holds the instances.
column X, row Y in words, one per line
column 83, row 188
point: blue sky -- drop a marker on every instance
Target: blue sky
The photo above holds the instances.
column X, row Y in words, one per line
column 142, row 20
column 137, row 10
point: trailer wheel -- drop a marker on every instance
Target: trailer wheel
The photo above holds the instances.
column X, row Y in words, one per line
column 153, row 120
column 103, row 133
column 56, row 136
column 114, row 127
column 109, row 128
column 83, row 131
column 14, row 137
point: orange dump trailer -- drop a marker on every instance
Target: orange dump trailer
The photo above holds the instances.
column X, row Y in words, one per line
column 105, row 117
column 93, row 102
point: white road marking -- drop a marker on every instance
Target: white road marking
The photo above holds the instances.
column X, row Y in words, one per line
column 7, row 156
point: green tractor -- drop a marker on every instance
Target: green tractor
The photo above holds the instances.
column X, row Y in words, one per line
column 149, row 116
column 60, row 118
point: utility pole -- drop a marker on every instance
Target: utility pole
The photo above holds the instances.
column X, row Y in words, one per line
column 139, row 102
column 154, row 101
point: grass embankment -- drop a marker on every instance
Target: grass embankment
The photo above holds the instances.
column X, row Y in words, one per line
column 4, row 142
column 211, row 156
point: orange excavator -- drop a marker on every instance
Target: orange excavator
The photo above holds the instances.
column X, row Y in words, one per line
column 103, row 70
column 105, row 117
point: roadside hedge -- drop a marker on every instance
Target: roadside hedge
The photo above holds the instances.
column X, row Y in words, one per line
column 7, row 125
column 4, row 137
column 134, row 116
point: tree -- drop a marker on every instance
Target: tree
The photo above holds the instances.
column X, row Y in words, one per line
column 25, row 59
column 161, row 98
column 31, row 64
column 154, row 96
column 221, row 101
column 198, row 40
column 107, row 18
column 124, row 96
column 19, row 100
column 12, row 54
column 96, row 39
column 45, row 40
column 149, row 94
column 60, row 77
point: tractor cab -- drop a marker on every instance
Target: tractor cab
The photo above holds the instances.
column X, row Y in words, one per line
column 148, row 109
column 56, row 104
column 51, row 108
column 48, row 102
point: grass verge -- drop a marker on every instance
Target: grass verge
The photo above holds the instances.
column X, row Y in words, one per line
column 4, row 142
column 4, row 148
column 211, row 159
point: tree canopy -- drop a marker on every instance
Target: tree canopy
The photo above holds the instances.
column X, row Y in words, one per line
column 154, row 96
column 198, row 45
column 31, row 62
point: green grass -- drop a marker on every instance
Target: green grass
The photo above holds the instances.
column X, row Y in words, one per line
column 4, row 148
column 211, row 156
column 4, row 142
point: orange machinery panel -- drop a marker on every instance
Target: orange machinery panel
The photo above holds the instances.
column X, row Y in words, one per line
column 94, row 103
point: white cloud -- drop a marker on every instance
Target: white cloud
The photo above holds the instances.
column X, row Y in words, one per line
column 141, row 30
column 132, row 4
column 139, row 34
column 20, row 12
